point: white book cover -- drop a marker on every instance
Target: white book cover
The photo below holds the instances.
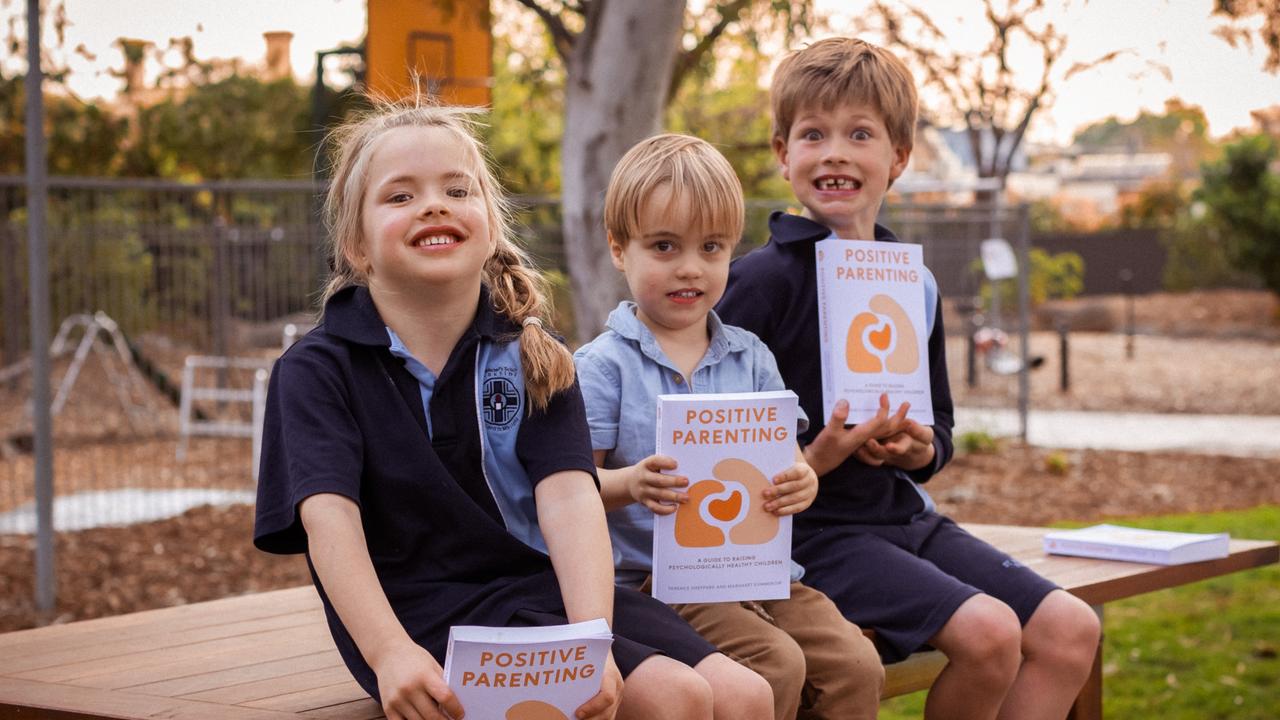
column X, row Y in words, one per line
column 1158, row 547
column 526, row 673
column 872, row 327
column 721, row 545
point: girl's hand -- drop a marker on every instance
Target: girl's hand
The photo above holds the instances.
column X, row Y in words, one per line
column 835, row 443
column 412, row 685
column 605, row 703
column 793, row 490
column 648, row 485
column 910, row 449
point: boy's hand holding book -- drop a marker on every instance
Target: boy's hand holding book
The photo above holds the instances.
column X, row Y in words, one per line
column 648, row 485
column 835, row 442
column 792, row 490
column 605, row 703
column 910, row 449
column 412, row 684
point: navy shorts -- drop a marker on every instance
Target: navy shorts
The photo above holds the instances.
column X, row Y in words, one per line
column 642, row 627
column 906, row 581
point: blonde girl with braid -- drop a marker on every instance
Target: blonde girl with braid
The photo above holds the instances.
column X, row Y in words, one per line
column 426, row 445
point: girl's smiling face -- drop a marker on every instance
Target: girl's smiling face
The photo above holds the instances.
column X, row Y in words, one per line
column 424, row 218
column 840, row 163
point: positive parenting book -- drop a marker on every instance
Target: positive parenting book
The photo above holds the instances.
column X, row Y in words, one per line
column 871, row 320
column 721, row 545
column 526, row 673
column 1158, row 547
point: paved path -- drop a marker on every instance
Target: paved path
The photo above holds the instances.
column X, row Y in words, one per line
column 1238, row 435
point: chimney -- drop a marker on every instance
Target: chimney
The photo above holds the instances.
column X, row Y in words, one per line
column 278, row 64
column 135, row 56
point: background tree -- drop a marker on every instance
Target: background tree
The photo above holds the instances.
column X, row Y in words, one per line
column 1181, row 130
column 1236, row 30
column 622, row 64
column 985, row 92
column 1241, row 194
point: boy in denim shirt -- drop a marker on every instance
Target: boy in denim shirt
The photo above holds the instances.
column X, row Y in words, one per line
column 674, row 213
column 844, row 116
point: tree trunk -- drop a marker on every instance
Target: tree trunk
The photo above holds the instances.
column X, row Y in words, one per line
column 616, row 89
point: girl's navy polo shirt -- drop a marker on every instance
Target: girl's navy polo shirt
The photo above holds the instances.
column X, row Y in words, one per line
column 784, row 271
column 344, row 416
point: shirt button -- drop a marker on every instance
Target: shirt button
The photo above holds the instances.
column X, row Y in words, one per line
column 678, row 378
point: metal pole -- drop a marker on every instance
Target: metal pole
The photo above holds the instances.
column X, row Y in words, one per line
column 1126, row 279
column 1024, row 316
column 38, row 267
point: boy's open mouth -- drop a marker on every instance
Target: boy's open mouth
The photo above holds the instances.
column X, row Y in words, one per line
column 685, row 295
column 828, row 182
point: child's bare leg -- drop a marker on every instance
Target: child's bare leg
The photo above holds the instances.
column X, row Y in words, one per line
column 661, row 687
column 1058, row 646
column 739, row 693
column 982, row 644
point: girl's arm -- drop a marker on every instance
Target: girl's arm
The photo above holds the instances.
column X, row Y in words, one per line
column 410, row 681
column 572, row 521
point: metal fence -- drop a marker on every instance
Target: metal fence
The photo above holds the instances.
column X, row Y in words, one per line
column 146, row 274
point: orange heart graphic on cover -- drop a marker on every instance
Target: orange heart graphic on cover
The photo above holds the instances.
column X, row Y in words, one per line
column 725, row 510
column 534, row 710
column 880, row 338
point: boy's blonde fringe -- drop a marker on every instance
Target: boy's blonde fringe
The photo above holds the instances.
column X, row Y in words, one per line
column 516, row 289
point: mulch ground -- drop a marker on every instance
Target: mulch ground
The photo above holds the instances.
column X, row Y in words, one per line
column 1231, row 364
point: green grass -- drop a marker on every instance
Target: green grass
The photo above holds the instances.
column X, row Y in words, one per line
column 1196, row 652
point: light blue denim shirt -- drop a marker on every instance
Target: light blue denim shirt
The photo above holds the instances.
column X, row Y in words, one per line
column 622, row 372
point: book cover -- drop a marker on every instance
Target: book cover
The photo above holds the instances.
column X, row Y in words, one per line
column 873, row 334
column 721, row 545
column 1158, row 547
column 526, row 673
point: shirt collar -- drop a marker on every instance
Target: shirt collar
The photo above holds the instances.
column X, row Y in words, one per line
column 788, row 228
column 351, row 315
column 624, row 322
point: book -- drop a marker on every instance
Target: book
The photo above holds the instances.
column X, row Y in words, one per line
column 1158, row 547
column 721, row 545
column 526, row 673
column 871, row 320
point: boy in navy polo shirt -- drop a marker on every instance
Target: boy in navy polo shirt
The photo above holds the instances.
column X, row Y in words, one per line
column 426, row 445
column 673, row 211
column 844, row 118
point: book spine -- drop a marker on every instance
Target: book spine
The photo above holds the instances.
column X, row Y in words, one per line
column 828, row 355
column 1106, row 552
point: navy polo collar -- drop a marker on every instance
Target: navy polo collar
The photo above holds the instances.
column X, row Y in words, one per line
column 788, row 228
column 351, row 315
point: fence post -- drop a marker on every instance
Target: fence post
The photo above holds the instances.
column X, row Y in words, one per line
column 38, row 263
column 1064, row 355
column 1126, row 282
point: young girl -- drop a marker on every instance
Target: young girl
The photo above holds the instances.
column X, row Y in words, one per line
column 426, row 444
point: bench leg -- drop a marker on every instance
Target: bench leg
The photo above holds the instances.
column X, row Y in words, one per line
column 1088, row 704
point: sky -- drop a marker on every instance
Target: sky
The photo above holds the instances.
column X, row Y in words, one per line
column 1203, row 70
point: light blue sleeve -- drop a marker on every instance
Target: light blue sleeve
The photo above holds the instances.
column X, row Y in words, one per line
column 602, row 393
column 768, row 378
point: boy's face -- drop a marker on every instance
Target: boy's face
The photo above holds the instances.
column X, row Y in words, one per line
column 839, row 163
column 676, row 267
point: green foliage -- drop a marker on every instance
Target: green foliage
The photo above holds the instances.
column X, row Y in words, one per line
column 82, row 138
column 527, row 117
column 1204, row 651
column 1241, row 195
column 978, row 442
column 1181, row 130
column 1059, row 276
column 1198, row 256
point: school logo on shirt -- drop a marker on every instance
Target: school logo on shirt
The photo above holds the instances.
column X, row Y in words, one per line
column 501, row 401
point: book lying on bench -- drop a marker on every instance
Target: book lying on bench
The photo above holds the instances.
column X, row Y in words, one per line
column 872, row 327
column 721, row 545
column 1158, row 547
column 526, row 673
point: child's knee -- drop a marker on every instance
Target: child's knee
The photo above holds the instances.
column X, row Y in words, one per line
column 783, row 668
column 665, row 687
column 986, row 631
column 1065, row 626
column 737, row 691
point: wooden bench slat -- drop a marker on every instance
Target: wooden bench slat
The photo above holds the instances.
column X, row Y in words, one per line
column 260, row 689
column 201, row 678
column 70, row 701
column 366, row 709
column 304, row 700
column 304, row 644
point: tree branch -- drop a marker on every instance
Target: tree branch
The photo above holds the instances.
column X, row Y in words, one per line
column 561, row 37
column 729, row 12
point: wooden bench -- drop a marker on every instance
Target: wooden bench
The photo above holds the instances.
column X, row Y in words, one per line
column 268, row 656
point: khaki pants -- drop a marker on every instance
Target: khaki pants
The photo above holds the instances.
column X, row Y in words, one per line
column 819, row 664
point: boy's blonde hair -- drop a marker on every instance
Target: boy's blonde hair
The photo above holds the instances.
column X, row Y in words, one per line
column 516, row 289
column 692, row 168
column 840, row 70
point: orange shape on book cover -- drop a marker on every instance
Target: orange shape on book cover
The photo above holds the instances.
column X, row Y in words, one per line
column 857, row 355
column 691, row 529
column 534, row 710
column 759, row 526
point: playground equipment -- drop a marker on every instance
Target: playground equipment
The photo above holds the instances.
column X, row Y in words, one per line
column 191, row 423
column 102, row 336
